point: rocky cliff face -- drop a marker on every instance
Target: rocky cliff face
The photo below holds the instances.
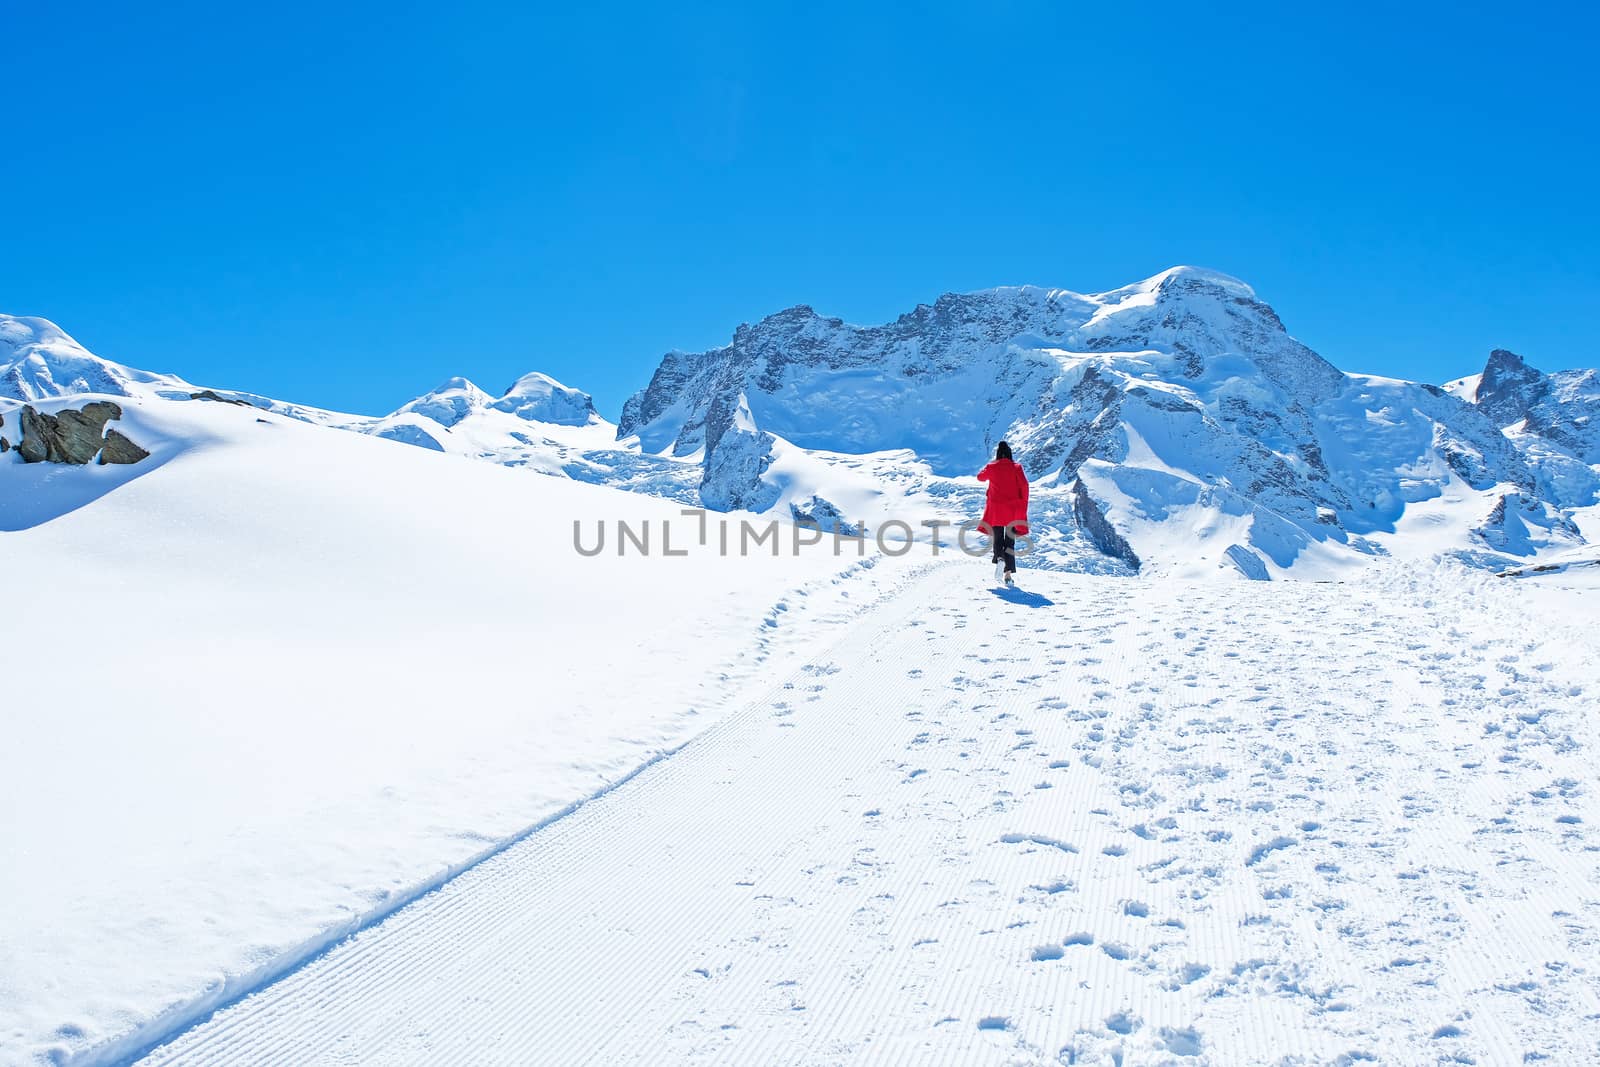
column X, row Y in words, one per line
column 1562, row 408
column 968, row 362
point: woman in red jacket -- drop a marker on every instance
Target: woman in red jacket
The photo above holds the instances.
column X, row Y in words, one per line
column 1005, row 511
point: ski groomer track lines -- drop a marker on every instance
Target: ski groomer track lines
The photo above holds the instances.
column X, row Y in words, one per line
column 1096, row 821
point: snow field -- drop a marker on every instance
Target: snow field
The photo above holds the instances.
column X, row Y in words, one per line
column 1095, row 821
column 273, row 682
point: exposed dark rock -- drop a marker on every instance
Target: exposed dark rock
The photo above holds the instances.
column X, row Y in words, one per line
column 1562, row 407
column 211, row 394
column 1508, row 387
column 1098, row 528
column 824, row 515
column 118, row 449
column 75, row 436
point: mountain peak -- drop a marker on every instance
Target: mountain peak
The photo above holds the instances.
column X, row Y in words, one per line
column 38, row 359
column 1508, row 388
column 789, row 319
column 1176, row 283
column 17, row 331
column 1504, row 371
column 540, row 398
column 452, row 401
column 1186, row 277
column 458, row 383
column 1503, row 361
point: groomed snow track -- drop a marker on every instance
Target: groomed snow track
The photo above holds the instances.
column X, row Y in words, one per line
column 1169, row 822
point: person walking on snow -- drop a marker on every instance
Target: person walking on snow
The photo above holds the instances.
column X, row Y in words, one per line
column 1005, row 510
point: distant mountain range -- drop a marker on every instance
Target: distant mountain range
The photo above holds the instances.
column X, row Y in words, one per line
column 1172, row 426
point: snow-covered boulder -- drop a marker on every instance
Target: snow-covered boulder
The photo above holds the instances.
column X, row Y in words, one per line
column 75, row 436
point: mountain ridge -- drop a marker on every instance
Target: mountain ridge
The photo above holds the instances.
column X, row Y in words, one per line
column 1173, row 421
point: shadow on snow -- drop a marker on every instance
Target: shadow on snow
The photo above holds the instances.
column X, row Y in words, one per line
column 1027, row 600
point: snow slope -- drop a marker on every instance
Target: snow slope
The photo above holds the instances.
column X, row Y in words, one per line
column 270, row 686
column 273, row 681
column 1100, row 821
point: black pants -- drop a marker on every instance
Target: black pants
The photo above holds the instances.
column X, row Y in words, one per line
column 1004, row 543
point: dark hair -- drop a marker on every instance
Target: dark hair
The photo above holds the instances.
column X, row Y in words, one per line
column 1003, row 451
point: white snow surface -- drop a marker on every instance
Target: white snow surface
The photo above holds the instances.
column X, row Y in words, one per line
column 280, row 677
column 274, row 684
column 270, row 688
column 1098, row 821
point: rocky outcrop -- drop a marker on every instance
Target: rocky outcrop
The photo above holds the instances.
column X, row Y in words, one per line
column 1561, row 408
column 733, row 472
column 75, row 436
column 823, row 514
column 118, row 449
column 211, row 394
column 1098, row 528
column 1519, row 526
column 1508, row 387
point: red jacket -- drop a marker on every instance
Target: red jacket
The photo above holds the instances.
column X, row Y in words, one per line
column 1007, row 503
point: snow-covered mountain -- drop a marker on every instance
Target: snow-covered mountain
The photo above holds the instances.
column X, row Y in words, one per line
column 1172, row 426
column 1563, row 408
column 1554, row 419
column 540, row 424
column 39, row 360
column 1173, row 422
column 537, row 423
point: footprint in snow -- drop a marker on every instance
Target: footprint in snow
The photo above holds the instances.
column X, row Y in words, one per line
column 1123, row 1023
column 1188, row 974
column 1184, row 1041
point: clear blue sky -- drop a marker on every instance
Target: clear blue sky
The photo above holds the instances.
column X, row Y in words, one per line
column 344, row 204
